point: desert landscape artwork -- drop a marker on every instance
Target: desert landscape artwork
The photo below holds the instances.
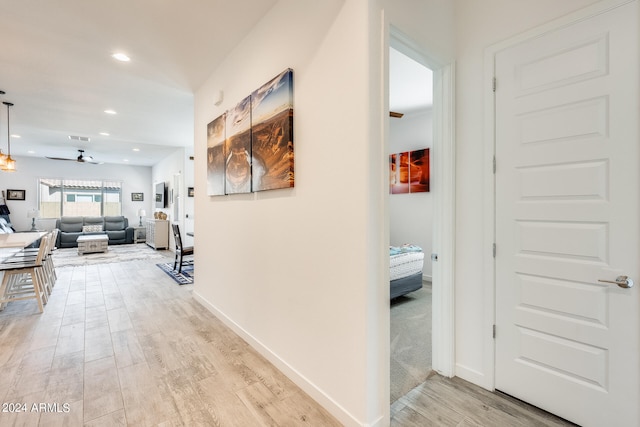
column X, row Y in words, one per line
column 272, row 134
column 250, row 147
column 409, row 172
column 215, row 156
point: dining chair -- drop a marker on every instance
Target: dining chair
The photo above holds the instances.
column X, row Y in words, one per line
column 30, row 254
column 181, row 250
column 26, row 279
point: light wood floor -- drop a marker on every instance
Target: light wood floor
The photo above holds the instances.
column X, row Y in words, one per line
column 442, row 402
column 123, row 344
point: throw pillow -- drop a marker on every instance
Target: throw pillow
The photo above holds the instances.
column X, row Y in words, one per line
column 92, row 229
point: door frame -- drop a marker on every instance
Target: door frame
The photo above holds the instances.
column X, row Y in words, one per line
column 489, row 277
column 443, row 172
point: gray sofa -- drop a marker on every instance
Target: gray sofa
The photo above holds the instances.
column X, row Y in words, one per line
column 71, row 227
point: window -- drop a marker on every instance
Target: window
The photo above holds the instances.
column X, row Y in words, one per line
column 72, row 197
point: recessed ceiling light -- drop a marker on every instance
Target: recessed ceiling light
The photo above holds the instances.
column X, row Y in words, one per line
column 104, row 134
column 121, row 57
column 13, row 135
column 125, row 160
column 31, row 152
column 110, row 112
column 136, row 149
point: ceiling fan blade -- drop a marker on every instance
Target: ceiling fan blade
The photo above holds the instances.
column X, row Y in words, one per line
column 80, row 159
column 61, row 158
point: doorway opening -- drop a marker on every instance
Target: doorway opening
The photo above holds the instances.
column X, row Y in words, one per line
column 411, row 220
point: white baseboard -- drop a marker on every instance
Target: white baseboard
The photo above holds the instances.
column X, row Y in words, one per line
column 307, row 386
column 427, row 278
column 473, row 376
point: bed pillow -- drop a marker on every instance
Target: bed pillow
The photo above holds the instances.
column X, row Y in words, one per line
column 395, row 250
column 92, row 228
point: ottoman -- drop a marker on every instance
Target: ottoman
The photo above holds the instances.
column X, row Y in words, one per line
column 91, row 243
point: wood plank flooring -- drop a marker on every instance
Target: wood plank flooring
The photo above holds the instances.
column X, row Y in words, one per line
column 123, row 344
column 442, row 402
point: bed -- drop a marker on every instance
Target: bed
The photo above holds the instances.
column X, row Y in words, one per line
column 405, row 269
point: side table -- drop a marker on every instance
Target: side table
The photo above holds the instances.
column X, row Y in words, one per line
column 139, row 234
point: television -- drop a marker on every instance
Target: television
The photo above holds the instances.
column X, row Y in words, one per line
column 161, row 195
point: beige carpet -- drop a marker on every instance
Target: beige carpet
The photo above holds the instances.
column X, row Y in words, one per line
column 410, row 341
column 117, row 253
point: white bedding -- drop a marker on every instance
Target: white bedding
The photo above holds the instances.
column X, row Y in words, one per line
column 405, row 264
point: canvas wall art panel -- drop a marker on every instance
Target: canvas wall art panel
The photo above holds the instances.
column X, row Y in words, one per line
column 272, row 134
column 419, row 171
column 238, row 148
column 216, row 156
column 400, row 181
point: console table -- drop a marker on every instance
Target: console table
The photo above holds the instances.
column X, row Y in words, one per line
column 158, row 233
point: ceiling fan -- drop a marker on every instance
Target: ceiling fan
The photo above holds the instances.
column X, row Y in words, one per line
column 80, row 159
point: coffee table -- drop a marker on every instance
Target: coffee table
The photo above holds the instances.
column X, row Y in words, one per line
column 91, row 243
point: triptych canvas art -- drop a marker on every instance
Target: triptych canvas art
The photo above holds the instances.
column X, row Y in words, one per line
column 409, row 172
column 250, row 147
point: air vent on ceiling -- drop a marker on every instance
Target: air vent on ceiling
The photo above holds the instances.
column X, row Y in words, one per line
column 79, row 138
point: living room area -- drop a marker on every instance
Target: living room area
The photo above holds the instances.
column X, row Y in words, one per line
column 88, row 201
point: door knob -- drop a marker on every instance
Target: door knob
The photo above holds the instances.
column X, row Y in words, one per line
column 622, row 281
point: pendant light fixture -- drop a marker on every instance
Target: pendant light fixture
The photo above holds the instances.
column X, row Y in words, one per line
column 3, row 157
column 10, row 165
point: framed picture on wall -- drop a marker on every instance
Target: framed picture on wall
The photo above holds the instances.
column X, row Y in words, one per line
column 137, row 197
column 190, row 192
column 15, row 194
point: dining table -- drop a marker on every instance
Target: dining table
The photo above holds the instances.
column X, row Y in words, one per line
column 10, row 243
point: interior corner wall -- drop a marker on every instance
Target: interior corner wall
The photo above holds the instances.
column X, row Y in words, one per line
column 480, row 24
column 165, row 171
column 411, row 215
column 289, row 269
column 135, row 179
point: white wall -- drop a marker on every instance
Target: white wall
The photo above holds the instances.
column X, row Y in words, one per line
column 289, row 269
column 300, row 273
column 411, row 215
column 135, row 179
column 175, row 171
column 479, row 24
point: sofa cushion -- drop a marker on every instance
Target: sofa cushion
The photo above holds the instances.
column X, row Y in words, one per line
column 117, row 235
column 114, row 223
column 69, row 237
column 92, row 228
column 71, row 224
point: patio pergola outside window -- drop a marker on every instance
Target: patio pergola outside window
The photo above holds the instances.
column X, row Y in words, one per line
column 75, row 197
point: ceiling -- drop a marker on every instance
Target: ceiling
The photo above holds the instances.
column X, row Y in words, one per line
column 410, row 84
column 56, row 67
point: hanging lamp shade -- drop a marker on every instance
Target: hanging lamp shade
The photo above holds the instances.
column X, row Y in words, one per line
column 9, row 164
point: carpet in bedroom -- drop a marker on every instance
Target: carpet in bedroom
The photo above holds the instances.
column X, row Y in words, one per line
column 410, row 341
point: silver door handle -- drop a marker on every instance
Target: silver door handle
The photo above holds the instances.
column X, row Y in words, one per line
column 622, row 281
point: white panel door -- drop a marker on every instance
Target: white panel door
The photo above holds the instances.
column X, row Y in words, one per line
column 567, row 215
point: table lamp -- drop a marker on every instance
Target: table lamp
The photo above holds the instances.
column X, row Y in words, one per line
column 33, row 214
column 141, row 213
